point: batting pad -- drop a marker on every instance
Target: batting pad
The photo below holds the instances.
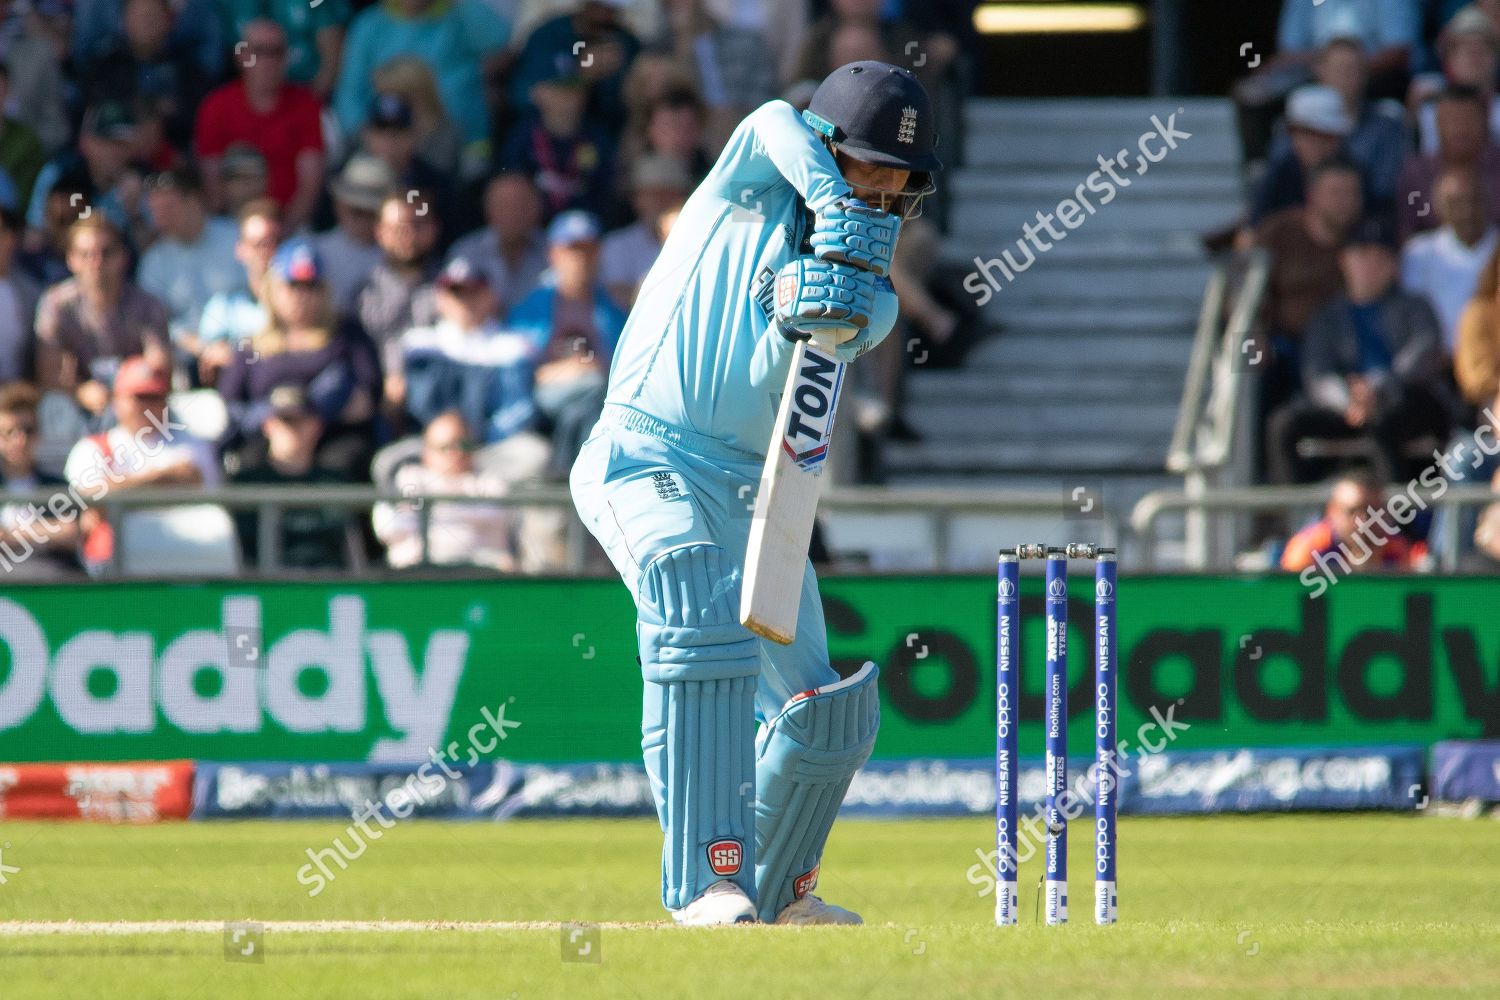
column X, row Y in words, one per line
column 698, row 720
column 808, row 754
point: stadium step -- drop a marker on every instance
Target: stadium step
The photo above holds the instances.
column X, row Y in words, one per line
column 1076, row 132
column 995, row 382
column 1112, row 279
column 1083, row 378
column 978, row 420
column 1085, row 455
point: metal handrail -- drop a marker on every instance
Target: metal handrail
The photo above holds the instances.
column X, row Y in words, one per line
column 1214, row 352
column 1189, row 411
column 939, row 506
column 1252, row 499
column 1241, row 325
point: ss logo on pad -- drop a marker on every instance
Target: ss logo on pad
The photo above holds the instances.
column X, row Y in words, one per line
column 724, row 857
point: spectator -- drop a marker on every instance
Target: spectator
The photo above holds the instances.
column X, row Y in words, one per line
column 1476, row 369
column 243, row 178
column 1470, row 50
column 390, row 135
column 34, row 88
column 675, row 127
column 916, row 257
column 21, row 155
column 37, row 543
column 568, row 155
column 1352, row 525
column 1372, row 365
column 153, row 151
column 142, row 451
column 440, row 141
column 817, row 59
column 305, row 345
column 196, row 30
column 652, row 75
column 461, row 41
column 1485, row 559
column 88, row 324
column 19, row 294
column 146, row 68
column 102, row 169
column 45, row 251
column 510, row 249
column 285, row 453
column 728, row 64
column 458, row 534
column 51, row 22
column 235, row 316
column 657, row 183
column 193, row 258
column 594, row 33
column 1377, row 142
column 261, row 109
column 854, row 42
column 314, row 36
column 1443, row 265
column 1390, row 31
column 349, row 249
column 466, row 362
column 573, row 327
column 1304, row 244
column 399, row 294
column 1463, row 145
column 1476, row 356
column 1317, row 123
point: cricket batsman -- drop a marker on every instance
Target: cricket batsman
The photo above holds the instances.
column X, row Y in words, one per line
column 749, row 745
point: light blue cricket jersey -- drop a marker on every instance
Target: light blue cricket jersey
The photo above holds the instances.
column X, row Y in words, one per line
column 700, row 350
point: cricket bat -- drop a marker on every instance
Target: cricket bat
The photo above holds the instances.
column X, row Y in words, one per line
column 776, row 555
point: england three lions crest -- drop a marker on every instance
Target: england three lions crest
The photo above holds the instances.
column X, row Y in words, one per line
column 906, row 131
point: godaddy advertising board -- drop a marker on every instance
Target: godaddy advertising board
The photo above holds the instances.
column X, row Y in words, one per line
column 388, row 671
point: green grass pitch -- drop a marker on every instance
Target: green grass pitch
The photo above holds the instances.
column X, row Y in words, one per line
column 1354, row 906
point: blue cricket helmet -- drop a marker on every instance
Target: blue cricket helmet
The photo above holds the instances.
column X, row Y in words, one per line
column 877, row 113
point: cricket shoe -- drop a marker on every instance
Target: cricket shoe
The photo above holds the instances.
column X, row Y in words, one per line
column 812, row 910
column 721, row 903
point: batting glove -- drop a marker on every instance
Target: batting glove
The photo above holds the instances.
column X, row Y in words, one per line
column 820, row 297
column 882, row 320
column 851, row 232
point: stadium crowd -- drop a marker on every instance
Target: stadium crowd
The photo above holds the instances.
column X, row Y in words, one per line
column 280, row 242
column 1372, row 145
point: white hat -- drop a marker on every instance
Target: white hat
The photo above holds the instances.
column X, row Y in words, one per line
column 1318, row 109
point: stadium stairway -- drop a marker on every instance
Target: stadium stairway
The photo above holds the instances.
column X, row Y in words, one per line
column 1078, row 382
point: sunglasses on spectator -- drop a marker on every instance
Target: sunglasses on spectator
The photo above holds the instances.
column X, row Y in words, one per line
column 450, row 446
column 269, row 51
column 148, row 398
